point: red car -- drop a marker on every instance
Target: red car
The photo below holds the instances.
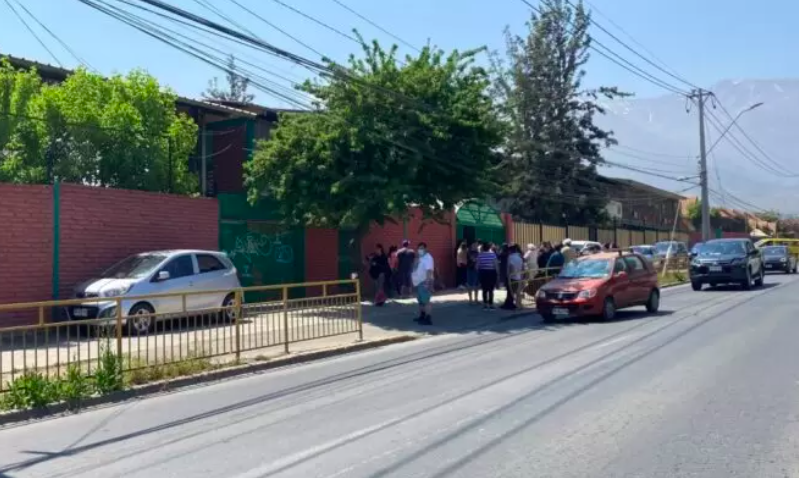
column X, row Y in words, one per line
column 599, row 285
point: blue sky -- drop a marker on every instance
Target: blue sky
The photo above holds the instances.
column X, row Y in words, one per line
column 704, row 40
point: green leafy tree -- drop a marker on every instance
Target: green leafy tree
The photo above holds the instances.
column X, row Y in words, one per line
column 553, row 148
column 237, row 86
column 386, row 137
column 120, row 132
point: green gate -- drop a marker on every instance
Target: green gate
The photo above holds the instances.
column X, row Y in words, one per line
column 479, row 221
column 264, row 251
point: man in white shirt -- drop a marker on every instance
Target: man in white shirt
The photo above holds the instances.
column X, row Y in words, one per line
column 515, row 283
column 423, row 278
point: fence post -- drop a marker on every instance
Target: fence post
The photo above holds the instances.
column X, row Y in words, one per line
column 118, row 329
column 286, row 319
column 359, row 309
column 324, row 290
column 236, row 320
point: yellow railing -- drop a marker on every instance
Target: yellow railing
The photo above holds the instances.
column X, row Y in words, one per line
column 156, row 330
column 524, row 289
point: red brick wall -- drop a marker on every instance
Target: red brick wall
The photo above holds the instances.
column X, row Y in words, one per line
column 26, row 245
column 440, row 239
column 321, row 256
column 101, row 226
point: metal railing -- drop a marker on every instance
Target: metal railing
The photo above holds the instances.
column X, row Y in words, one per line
column 157, row 330
column 525, row 289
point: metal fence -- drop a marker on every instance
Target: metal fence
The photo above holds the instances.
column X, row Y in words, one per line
column 141, row 337
column 524, row 233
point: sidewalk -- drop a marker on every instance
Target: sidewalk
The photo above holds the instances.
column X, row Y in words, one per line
column 262, row 336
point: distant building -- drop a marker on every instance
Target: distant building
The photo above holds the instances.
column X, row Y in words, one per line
column 638, row 205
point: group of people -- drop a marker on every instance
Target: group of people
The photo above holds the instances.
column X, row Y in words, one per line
column 400, row 271
column 485, row 266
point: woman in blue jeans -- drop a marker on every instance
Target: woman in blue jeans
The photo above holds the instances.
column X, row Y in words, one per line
column 472, row 276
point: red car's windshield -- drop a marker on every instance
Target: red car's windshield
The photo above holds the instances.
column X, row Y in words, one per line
column 586, row 269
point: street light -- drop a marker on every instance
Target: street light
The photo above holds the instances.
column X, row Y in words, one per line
column 732, row 123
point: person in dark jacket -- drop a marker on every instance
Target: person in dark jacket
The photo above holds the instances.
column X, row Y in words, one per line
column 543, row 257
column 556, row 261
column 504, row 252
column 379, row 271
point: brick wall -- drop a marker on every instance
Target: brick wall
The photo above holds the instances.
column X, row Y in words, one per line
column 440, row 239
column 101, row 226
column 321, row 256
column 26, row 245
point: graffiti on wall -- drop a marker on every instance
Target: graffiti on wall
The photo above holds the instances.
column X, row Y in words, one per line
column 251, row 246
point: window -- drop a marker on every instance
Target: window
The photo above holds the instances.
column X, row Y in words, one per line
column 178, row 267
column 634, row 263
column 209, row 263
column 619, row 266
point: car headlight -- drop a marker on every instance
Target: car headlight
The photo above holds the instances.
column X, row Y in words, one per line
column 115, row 292
column 586, row 294
column 783, row 259
column 541, row 294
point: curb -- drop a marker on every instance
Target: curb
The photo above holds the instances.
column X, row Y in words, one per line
column 173, row 385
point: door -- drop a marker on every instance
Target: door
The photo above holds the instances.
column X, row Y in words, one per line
column 211, row 277
column 620, row 284
column 181, row 279
column 639, row 279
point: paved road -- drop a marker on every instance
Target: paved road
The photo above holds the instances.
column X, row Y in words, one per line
column 710, row 387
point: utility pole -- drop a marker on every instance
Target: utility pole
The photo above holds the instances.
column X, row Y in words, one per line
column 701, row 96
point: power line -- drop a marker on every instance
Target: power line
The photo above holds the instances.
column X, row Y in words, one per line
column 56, row 37
column 752, row 141
column 32, row 32
column 318, row 22
column 284, row 32
column 370, row 22
column 614, row 57
column 636, row 53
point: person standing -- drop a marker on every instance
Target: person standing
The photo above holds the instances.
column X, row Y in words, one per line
column 515, row 268
column 461, row 260
column 543, row 257
column 556, row 262
column 378, row 271
column 423, row 277
column 488, row 270
column 472, row 280
column 392, row 264
column 569, row 254
column 503, row 264
column 531, row 260
column 405, row 259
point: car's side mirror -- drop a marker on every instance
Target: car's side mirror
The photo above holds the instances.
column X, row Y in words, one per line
column 693, row 254
column 162, row 276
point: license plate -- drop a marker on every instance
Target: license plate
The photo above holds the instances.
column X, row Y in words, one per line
column 80, row 312
column 769, row 266
column 560, row 312
column 715, row 268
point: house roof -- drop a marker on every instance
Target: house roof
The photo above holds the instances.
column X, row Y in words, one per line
column 58, row 74
column 644, row 187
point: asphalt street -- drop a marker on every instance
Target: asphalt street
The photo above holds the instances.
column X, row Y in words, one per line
column 709, row 387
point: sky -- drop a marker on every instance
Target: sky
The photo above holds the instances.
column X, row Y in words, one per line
column 704, row 41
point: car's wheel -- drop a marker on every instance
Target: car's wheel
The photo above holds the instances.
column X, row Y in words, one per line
column 141, row 319
column 697, row 286
column 653, row 304
column 747, row 283
column 228, row 313
column 760, row 277
column 609, row 309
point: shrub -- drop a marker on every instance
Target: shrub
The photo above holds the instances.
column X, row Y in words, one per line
column 108, row 377
column 32, row 390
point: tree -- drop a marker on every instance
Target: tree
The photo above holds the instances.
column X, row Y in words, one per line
column 236, row 87
column 115, row 132
column 387, row 138
column 553, row 149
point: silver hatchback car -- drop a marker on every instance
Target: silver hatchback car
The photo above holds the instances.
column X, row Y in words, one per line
column 154, row 273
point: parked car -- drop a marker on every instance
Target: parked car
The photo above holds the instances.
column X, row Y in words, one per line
column 696, row 248
column 599, row 285
column 779, row 258
column 727, row 261
column 646, row 251
column 154, row 273
column 671, row 249
column 578, row 246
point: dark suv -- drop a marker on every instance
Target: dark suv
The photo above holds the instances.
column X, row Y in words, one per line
column 727, row 261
